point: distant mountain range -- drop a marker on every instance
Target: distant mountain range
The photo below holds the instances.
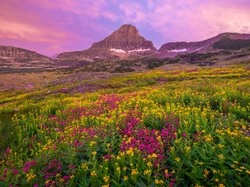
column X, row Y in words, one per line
column 127, row 43
column 224, row 41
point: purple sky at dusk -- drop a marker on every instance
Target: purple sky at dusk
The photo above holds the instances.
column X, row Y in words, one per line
column 55, row 26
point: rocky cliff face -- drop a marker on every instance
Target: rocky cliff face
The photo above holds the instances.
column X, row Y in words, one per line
column 126, row 42
column 174, row 49
column 14, row 52
column 13, row 57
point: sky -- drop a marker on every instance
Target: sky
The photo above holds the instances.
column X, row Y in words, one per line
column 54, row 26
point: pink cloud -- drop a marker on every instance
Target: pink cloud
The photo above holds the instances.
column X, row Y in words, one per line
column 55, row 48
column 132, row 12
column 90, row 8
column 197, row 20
column 66, row 25
column 23, row 24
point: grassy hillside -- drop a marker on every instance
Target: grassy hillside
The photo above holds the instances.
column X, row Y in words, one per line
column 227, row 43
column 187, row 127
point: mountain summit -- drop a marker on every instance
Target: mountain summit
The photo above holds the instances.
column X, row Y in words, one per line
column 125, row 42
column 127, row 37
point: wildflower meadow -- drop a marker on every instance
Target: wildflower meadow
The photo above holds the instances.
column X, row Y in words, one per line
column 187, row 127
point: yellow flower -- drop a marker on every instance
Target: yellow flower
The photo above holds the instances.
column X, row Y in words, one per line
column 130, row 152
column 93, row 173
column 84, row 166
column 122, row 153
column 149, row 164
column 166, row 171
column 30, row 176
column 147, row 172
column 242, row 167
column 134, row 172
column 118, row 169
column 58, row 175
column 106, row 179
column 154, row 155
column 221, row 156
column 106, row 185
column 158, row 138
column 62, row 180
column 220, row 145
column 177, row 159
column 158, row 181
column 197, row 185
column 92, row 143
column 188, row 148
column 47, row 181
column 221, row 185
column 125, row 178
column 206, row 172
column 93, row 153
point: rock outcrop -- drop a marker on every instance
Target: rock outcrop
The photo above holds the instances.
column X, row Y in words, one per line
column 13, row 57
column 14, row 52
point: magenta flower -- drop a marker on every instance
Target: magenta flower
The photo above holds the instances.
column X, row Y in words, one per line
column 15, row 171
column 72, row 167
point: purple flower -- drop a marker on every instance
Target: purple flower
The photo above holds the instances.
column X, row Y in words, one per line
column 171, row 183
column 72, row 167
column 184, row 135
column 15, row 171
column 29, row 86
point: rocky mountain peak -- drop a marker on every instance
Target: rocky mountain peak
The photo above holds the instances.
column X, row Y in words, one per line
column 124, row 43
column 128, row 31
column 127, row 37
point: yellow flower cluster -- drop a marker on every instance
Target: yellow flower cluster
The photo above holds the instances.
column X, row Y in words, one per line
column 93, row 173
column 30, row 175
column 159, row 181
column 134, row 172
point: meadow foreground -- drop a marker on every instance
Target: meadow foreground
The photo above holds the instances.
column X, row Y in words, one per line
column 156, row 128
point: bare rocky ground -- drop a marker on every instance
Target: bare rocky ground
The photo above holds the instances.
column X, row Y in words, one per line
column 91, row 77
column 26, row 81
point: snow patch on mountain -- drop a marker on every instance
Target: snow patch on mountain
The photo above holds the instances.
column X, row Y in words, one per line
column 118, row 50
column 178, row 50
column 199, row 49
column 138, row 50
